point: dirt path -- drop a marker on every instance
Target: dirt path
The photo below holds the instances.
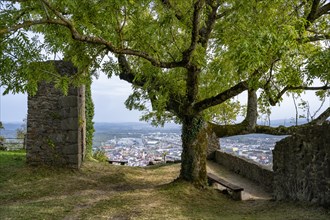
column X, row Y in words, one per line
column 252, row 191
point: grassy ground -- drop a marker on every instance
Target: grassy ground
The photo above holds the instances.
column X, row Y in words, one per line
column 103, row 191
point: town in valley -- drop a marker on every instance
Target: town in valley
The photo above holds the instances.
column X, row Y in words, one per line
column 141, row 145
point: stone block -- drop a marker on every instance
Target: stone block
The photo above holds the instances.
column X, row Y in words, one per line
column 68, row 101
column 70, row 124
column 74, row 161
column 71, row 149
column 71, row 137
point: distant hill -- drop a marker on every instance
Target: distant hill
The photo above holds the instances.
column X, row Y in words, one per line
column 107, row 131
column 10, row 128
column 283, row 122
column 108, row 127
column 132, row 126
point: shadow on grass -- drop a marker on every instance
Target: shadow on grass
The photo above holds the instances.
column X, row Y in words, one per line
column 103, row 191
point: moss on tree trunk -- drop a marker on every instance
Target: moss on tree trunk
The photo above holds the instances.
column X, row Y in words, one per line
column 194, row 144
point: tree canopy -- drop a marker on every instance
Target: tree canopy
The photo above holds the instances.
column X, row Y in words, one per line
column 187, row 59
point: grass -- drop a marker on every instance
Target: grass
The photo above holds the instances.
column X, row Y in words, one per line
column 103, row 191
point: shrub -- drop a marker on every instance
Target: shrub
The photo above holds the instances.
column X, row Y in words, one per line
column 100, row 156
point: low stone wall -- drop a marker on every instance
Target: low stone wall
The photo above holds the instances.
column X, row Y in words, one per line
column 302, row 166
column 56, row 123
column 247, row 168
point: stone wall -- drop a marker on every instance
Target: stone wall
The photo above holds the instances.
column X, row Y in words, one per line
column 302, row 166
column 247, row 168
column 56, row 123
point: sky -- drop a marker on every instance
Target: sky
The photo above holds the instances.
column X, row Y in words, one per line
column 109, row 96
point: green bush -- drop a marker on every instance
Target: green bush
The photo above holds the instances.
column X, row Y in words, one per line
column 89, row 111
column 100, row 156
column 2, row 140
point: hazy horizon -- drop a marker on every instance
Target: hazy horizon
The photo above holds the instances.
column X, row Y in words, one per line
column 109, row 96
column 276, row 121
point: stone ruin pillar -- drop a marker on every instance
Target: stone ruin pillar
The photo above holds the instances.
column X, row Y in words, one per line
column 302, row 166
column 56, row 123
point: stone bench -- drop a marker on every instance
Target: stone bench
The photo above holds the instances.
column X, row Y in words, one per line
column 122, row 162
column 235, row 191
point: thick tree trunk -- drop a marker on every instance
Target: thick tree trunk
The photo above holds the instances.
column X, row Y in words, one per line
column 250, row 120
column 194, row 144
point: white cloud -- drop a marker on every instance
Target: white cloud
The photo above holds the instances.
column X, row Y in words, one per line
column 109, row 97
column 112, row 87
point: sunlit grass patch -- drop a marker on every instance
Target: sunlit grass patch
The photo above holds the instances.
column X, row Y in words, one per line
column 50, row 209
column 103, row 191
column 10, row 158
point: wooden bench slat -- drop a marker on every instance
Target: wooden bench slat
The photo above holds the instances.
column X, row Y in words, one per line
column 236, row 191
column 224, row 183
column 118, row 161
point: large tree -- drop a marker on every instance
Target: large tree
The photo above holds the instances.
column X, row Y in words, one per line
column 187, row 59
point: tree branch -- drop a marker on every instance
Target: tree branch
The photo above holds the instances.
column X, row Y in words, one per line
column 322, row 117
column 168, row 4
column 192, row 69
column 281, row 130
column 128, row 75
column 229, row 130
column 205, row 31
column 274, row 101
column 19, row 1
column 248, row 125
column 27, row 24
column 315, row 38
column 316, row 12
column 222, row 97
column 240, row 129
column 194, row 33
column 126, row 72
column 223, row 14
column 325, row 9
column 311, row 17
column 250, row 120
column 45, row 9
column 88, row 39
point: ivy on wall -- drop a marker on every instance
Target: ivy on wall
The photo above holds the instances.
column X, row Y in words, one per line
column 89, row 108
